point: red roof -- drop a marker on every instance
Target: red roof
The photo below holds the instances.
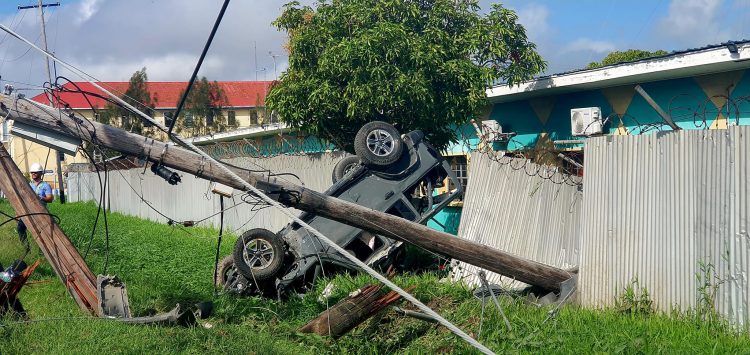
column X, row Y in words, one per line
column 165, row 93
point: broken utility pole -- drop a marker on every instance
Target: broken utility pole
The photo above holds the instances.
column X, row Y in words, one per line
column 9, row 290
column 56, row 247
column 353, row 310
column 291, row 195
column 59, row 157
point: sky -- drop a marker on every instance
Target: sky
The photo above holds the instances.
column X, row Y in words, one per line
column 111, row 39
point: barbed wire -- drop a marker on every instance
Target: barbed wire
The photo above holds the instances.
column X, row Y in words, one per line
column 268, row 147
column 538, row 156
column 565, row 166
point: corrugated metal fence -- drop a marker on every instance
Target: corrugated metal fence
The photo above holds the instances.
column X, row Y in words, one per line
column 661, row 208
column 529, row 216
column 657, row 207
column 192, row 198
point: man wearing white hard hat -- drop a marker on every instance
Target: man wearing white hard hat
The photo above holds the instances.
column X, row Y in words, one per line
column 43, row 192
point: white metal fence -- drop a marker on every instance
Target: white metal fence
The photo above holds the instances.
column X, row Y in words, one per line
column 132, row 191
column 662, row 209
column 526, row 215
column 659, row 208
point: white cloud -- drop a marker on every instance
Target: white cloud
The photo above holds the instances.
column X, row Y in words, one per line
column 113, row 39
column 86, row 9
column 693, row 22
column 161, row 68
column 534, row 18
column 590, row 45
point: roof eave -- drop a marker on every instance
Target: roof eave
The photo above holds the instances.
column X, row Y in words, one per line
column 701, row 62
column 242, row 133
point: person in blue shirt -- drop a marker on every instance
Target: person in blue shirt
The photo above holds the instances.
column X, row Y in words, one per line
column 43, row 192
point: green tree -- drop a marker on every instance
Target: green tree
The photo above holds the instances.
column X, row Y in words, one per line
column 416, row 64
column 137, row 95
column 202, row 113
column 629, row 55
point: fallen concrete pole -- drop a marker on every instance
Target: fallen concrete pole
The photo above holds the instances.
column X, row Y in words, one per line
column 54, row 244
column 291, row 195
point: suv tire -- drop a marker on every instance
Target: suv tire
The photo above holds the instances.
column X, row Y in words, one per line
column 343, row 167
column 258, row 254
column 225, row 271
column 378, row 143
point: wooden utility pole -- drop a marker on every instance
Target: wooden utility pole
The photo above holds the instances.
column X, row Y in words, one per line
column 56, row 247
column 291, row 195
column 59, row 157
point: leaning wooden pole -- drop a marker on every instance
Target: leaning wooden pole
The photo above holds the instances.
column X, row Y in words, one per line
column 54, row 244
column 291, row 195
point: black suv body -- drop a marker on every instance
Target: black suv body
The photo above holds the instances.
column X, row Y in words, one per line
column 401, row 181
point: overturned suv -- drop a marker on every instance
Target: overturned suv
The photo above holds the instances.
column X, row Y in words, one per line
column 392, row 173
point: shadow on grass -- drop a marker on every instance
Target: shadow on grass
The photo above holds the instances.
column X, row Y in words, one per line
column 396, row 338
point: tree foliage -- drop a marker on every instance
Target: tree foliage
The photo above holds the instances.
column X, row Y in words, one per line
column 137, row 95
column 202, row 113
column 629, row 55
column 418, row 64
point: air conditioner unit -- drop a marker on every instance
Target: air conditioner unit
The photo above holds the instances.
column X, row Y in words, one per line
column 492, row 130
column 586, row 121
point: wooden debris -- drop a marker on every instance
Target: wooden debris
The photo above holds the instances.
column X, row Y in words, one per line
column 9, row 291
column 352, row 311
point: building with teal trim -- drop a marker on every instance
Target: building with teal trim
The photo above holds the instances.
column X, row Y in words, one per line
column 703, row 88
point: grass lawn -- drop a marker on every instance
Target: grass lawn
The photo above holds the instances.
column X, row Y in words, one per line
column 164, row 265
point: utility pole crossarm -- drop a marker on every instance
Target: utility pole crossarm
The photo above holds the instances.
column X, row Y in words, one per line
column 35, row 6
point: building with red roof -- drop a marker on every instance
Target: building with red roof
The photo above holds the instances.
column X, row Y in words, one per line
column 166, row 94
column 244, row 112
column 245, row 105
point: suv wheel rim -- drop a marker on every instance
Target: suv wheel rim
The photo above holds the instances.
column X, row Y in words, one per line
column 380, row 142
column 229, row 275
column 258, row 254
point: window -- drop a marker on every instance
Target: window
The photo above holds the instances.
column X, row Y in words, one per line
column 273, row 118
column 5, row 131
column 231, row 118
column 400, row 209
column 188, row 119
column 168, row 116
column 210, row 118
column 253, row 117
column 459, row 165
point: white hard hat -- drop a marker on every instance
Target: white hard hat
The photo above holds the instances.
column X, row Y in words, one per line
column 36, row 168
